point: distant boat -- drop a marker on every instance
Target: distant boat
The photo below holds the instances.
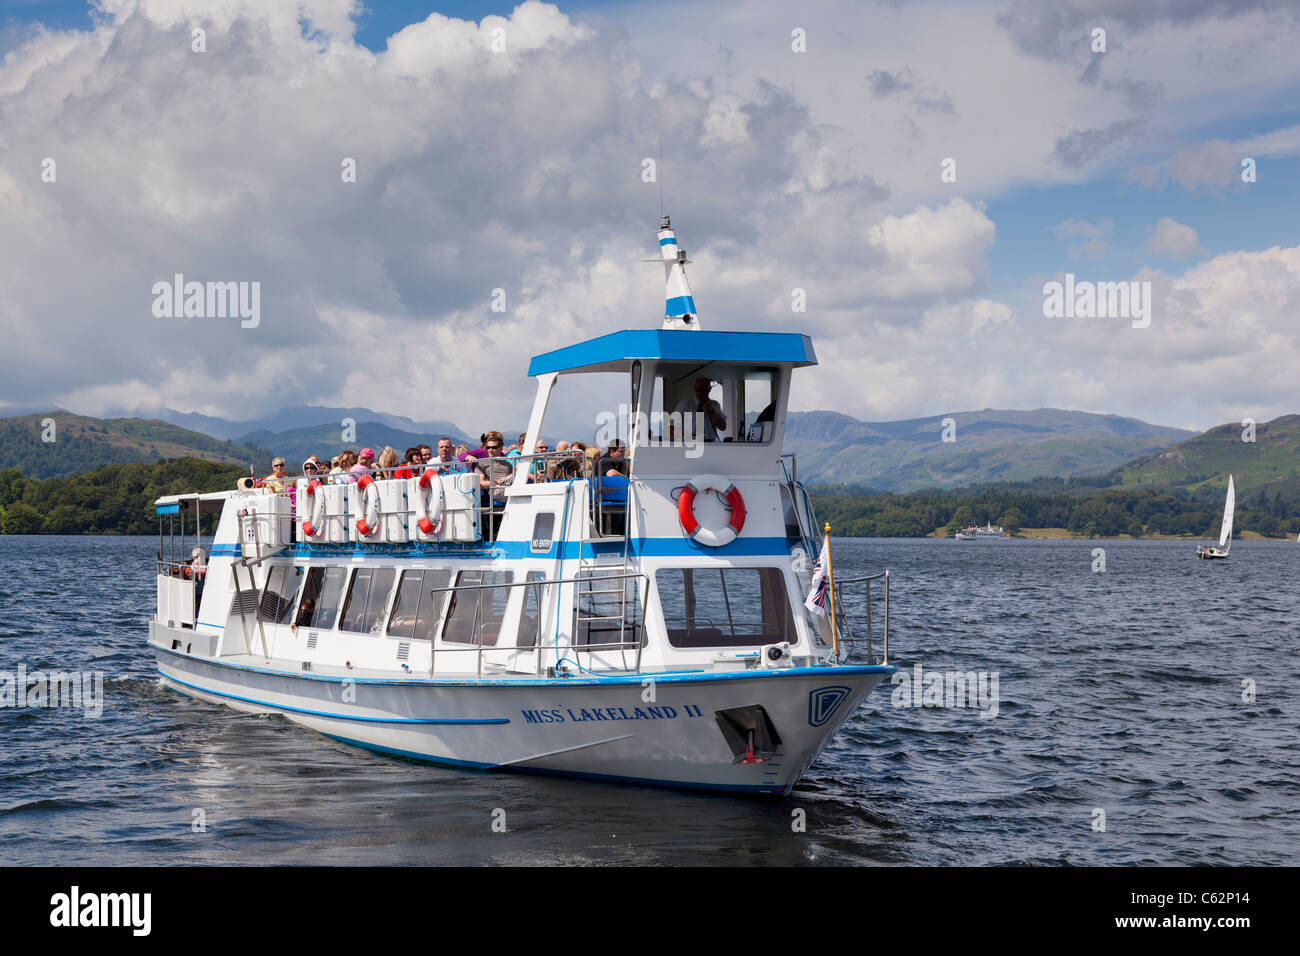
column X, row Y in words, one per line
column 1225, row 533
column 975, row 531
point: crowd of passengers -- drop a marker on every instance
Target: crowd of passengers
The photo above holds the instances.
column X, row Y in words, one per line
column 492, row 461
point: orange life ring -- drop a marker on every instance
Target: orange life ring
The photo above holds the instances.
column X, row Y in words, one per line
column 429, row 519
column 369, row 524
column 686, row 511
column 314, row 525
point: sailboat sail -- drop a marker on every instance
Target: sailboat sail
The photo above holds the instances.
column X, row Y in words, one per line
column 1229, row 506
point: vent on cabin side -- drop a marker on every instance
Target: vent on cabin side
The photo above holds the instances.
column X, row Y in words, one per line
column 311, row 640
column 403, row 652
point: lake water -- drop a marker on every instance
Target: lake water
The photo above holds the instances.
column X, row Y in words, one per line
column 1123, row 699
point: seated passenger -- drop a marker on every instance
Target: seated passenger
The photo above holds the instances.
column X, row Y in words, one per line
column 563, row 468
column 365, row 461
column 276, row 480
column 410, row 464
column 618, row 467
column 387, row 462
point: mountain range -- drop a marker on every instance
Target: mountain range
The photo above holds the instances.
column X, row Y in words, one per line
column 981, row 446
column 833, row 448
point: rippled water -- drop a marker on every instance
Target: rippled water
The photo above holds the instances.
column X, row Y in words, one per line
column 1119, row 691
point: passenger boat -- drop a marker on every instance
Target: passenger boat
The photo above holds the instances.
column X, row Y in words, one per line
column 975, row 531
column 649, row 627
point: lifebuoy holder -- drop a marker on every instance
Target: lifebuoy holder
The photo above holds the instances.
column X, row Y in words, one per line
column 686, row 510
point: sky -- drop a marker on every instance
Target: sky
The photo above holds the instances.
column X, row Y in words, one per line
column 920, row 170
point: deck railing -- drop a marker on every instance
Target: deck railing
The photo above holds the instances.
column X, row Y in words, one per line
column 847, row 637
column 478, row 646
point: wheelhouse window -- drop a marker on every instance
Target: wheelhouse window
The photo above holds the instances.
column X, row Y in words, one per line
column 725, row 607
column 713, row 402
column 363, row 612
column 322, row 593
column 417, row 608
column 476, row 613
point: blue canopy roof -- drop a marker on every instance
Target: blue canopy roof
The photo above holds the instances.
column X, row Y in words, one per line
column 616, row 351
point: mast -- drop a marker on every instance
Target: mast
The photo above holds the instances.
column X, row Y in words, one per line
column 679, row 305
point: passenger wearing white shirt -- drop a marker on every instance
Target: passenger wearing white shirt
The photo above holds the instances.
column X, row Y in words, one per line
column 709, row 410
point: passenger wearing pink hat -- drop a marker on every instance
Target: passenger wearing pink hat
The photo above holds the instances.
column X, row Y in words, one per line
column 363, row 465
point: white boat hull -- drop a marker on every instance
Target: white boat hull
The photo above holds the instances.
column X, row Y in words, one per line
column 596, row 727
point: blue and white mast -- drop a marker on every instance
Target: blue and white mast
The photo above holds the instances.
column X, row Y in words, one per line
column 679, row 306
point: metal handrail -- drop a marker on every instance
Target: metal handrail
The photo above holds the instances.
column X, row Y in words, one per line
column 479, row 647
column 865, row 580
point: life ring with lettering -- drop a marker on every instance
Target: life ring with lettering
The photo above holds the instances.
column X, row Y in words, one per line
column 429, row 517
column 686, row 511
column 314, row 526
column 369, row 524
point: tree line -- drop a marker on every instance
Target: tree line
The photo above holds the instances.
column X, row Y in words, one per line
column 113, row 499
column 118, row 499
column 1087, row 508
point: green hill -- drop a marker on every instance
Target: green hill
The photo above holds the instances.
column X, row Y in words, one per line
column 1204, row 461
column 82, row 443
column 990, row 445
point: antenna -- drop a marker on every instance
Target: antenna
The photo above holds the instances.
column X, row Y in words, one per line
column 661, row 175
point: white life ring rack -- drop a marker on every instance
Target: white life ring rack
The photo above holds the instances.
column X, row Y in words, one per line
column 369, row 524
column 686, row 510
column 429, row 518
column 314, row 526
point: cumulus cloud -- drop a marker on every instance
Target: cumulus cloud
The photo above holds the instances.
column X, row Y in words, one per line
column 508, row 154
column 1170, row 238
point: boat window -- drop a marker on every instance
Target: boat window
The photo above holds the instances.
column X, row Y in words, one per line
column 321, row 594
column 689, row 400
column 543, row 531
column 367, row 600
column 725, row 607
column 417, row 608
column 277, row 604
column 608, row 610
column 476, row 613
column 531, row 622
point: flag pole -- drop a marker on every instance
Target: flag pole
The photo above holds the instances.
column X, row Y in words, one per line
column 830, row 586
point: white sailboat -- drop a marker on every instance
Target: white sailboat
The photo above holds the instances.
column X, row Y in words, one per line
column 1225, row 533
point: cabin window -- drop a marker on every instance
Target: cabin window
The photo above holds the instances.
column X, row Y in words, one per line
column 608, row 609
column 530, row 624
column 714, row 402
column 321, row 594
column 476, row 613
column 277, row 603
column 416, row 610
column 367, row 600
column 725, row 607
column 543, row 531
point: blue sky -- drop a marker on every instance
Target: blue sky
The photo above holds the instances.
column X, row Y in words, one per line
column 814, row 168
